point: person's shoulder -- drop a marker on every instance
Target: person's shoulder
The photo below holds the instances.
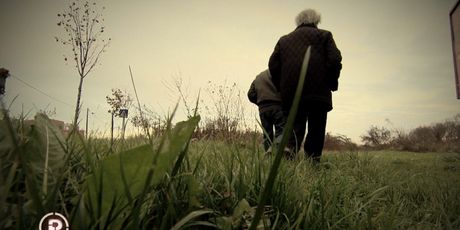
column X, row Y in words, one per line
column 325, row 32
column 264, row 74
column 286, row 36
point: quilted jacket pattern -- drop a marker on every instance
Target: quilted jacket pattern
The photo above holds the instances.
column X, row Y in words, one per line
column 323, row 69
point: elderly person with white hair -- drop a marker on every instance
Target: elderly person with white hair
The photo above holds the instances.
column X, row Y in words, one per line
column 322, row 78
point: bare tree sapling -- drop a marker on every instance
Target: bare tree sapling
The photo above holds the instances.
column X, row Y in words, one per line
column 83, row 27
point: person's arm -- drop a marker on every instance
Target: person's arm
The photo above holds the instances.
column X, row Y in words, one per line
column 252, row 94
column 333, row 63
column 274, row 66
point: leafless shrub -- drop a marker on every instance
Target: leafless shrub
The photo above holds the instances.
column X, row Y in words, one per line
column 401, row 140
column 339, row 142
column 220, row 107
column 438, row 137
column 149, row 120
column 377, row 137
column 225, row 114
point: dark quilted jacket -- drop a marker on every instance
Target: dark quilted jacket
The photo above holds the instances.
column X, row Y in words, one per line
column 323, row 69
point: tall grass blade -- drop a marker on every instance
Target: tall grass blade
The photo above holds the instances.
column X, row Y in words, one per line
column 100, row 193
column 198, row 162
column 146, row 129
column 9, row 147
column 8, row 124
column 125, row 182
column 286, row 135
column 190, row 217
column 195, row 111
column 152, row 167
column 45, row 168
column 371, row 196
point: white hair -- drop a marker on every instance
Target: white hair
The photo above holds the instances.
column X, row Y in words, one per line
column 308, row 16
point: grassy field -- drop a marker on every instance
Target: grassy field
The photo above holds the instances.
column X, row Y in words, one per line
column 172, row 183
column 349, row 190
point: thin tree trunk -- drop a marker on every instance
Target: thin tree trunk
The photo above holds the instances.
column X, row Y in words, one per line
column 124, row 129
column 87, row 116
column 111, row 135
column 77, row 107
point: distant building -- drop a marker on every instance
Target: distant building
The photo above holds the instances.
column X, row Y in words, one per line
column 65, row 128
column 60, row 124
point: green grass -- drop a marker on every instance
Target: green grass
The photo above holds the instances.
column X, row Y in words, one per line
column 205, row 184
column 348, row 190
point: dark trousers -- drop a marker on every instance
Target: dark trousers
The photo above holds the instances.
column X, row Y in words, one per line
column 314, row 142
column 272, row 118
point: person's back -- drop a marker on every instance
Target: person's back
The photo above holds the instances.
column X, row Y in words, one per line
column 265, row 95
column 263, row 92
column 323, row 69
column 322, row 77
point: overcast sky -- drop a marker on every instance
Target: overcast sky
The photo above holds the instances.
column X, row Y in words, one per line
column 397, row 56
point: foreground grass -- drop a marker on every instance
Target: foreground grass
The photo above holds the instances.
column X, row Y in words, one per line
column 348, row 190
column 174, row 184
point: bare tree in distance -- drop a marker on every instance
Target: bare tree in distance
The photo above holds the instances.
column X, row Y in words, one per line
column 377, row 137
column 148, row 120
column 119, row 100
column 177, row 85
column 83, row 29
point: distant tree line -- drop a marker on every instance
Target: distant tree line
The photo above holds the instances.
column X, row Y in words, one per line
column 225, row 121
column 437, row 137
